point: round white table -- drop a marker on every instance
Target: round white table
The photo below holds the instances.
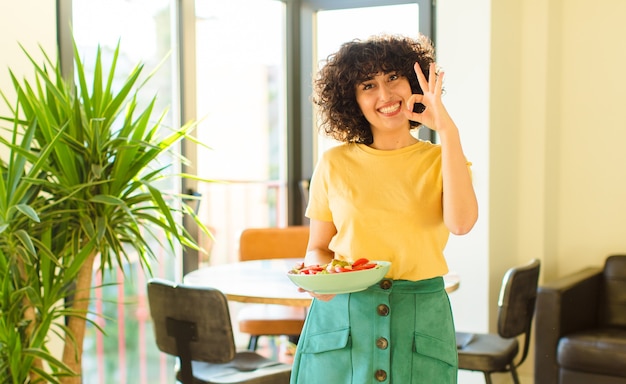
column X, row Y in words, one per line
column 264, row 282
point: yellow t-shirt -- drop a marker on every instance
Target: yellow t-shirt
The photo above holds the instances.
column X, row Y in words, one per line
column 386, row 205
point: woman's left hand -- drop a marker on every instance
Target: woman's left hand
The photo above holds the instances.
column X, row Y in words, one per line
column 434, row 113
column 460, row 207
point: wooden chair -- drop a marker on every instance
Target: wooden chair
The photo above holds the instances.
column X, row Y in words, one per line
column 194, row 324
column 497, row 352
column 271, row 319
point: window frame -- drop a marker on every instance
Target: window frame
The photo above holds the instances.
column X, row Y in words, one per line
column 300, row 16
column 300, row 63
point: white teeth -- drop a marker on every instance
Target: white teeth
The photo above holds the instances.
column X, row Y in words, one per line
column 390, row 109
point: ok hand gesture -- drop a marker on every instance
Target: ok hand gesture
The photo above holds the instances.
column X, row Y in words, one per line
column 434, row 116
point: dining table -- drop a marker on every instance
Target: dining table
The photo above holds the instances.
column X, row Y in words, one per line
column 265, row 281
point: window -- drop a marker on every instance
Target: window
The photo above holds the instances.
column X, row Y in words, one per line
column 393, row 19
column 127, row 353
column 240, row 101
column 247, row 77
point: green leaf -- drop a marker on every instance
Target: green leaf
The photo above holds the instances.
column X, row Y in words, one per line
column 107, row 199
column 28, row 211
column 26, row 241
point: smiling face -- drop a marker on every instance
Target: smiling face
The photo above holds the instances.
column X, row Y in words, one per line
column 381, row 99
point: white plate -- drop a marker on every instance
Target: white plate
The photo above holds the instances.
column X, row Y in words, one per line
column 344, row 282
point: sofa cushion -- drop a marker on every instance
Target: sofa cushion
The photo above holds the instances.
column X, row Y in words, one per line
column 600, row 351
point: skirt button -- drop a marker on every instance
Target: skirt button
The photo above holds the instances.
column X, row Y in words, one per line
column 382, row 309
column 380, row 375
column 382, row 343
column 385, row 284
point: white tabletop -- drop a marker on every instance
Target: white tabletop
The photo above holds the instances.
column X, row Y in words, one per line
column 255, row 281
column 263, row 281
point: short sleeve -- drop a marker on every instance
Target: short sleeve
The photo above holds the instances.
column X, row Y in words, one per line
column 318, row 207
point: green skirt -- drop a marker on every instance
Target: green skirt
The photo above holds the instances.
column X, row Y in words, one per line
column 396, row 331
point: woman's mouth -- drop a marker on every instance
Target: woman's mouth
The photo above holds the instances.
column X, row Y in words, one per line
column 390, row 109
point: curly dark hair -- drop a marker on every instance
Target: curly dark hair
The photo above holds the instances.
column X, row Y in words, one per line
column 335, row 86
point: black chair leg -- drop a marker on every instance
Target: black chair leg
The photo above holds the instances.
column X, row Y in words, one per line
column 184, row 332
column 487, row 377
column 514, row 374
column 253, row 342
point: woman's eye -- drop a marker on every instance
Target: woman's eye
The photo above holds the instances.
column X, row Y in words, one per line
column 367, row 86
column 394, row 77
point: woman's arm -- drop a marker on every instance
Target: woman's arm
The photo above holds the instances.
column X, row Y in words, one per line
column 318, row 252
column 320, row 234
column 460, row 207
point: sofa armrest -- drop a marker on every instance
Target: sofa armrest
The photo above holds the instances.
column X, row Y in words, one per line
column 565, row 305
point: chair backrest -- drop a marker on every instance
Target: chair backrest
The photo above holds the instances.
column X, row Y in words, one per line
column 198, row 314
column 273, row 243
column 614, row 293
column 516, row 304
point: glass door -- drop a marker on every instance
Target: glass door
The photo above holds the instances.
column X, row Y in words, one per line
column 240, row 102
column 126, row 352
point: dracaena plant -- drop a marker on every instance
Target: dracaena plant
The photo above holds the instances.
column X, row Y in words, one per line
column 92, row 165
column 30, row 286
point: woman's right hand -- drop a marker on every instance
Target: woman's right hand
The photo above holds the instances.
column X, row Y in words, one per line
column 319, row 296
column 318, row 252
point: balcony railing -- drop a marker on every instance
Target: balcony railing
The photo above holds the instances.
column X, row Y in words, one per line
column 126, row 352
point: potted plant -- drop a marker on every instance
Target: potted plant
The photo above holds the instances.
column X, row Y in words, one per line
column 92, row 168
column 26, row 266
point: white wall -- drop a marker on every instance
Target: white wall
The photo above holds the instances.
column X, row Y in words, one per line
column 463, row 51
column 30, row 23
column 572, row 177
column 571, row 131
column 463, row 54
column 537, row 89
column 591, row 206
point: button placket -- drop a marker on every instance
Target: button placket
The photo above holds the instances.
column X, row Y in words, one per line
column 382, row 353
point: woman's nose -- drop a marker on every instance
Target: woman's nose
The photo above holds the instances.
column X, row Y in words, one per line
column 384, row 92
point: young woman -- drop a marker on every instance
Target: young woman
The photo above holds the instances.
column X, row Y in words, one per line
column 385, row 195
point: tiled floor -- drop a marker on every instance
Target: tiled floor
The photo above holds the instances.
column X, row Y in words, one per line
column 278, row 348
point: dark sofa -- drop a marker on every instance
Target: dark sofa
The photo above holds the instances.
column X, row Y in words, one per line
column 580, row 324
